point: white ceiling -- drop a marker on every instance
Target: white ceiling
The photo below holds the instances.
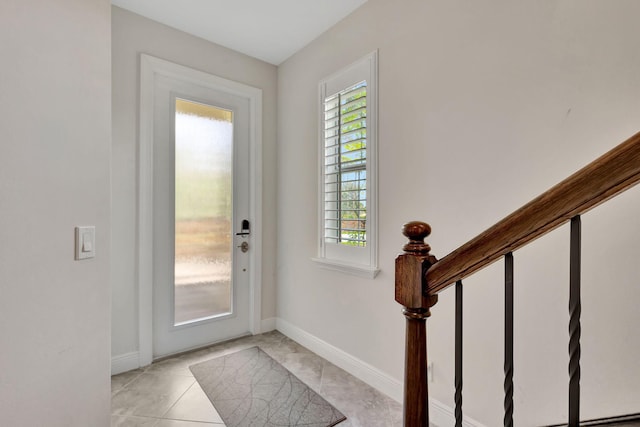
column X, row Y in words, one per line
column 271, row 30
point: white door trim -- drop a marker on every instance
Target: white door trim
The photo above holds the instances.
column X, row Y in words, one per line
column 149, row 68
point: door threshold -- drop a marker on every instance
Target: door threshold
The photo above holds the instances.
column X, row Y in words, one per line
column 200, row 347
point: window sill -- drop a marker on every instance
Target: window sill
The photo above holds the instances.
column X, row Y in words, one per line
column 352, row 269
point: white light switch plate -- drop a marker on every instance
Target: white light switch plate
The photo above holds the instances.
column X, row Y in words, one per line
column 85, row 242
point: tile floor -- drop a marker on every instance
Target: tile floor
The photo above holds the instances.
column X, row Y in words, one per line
column 165, row 394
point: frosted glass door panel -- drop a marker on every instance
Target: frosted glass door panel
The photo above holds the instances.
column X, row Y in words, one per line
column 203, row 211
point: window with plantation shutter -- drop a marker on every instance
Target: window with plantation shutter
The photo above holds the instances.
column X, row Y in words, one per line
column 345, row 163
column 347, row 205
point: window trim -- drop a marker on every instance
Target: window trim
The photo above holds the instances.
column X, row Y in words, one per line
column 359, row 261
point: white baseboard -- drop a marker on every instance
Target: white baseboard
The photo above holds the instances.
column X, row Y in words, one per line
column 268, row 325
column 125, row 362
column 442, row 415
column 356, row 367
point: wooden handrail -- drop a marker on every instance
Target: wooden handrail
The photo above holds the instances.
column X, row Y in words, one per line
column 609, row 175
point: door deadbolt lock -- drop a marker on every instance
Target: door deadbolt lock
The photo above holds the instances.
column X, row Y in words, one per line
column 244, row 246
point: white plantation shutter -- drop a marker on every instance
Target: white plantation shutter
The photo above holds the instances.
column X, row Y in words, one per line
column 345, row 174
column 347, row 188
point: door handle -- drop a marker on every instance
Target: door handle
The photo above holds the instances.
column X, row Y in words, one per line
column 245, row 230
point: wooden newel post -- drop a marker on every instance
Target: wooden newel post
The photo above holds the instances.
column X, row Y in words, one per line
column 411, row 268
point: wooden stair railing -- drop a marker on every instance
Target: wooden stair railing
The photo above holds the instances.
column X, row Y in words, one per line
column 420, row 277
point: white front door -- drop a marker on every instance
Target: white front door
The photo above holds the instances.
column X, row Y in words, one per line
column 201, row 212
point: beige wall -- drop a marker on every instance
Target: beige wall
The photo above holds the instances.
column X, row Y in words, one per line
column 55, row 111
column 132, row 35
column 483, row 106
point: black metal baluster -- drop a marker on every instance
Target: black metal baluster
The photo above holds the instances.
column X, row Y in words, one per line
column 508, row 340
column 458, row 355
column 574, row 323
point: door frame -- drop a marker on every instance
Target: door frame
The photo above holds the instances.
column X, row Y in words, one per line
column 150, row 67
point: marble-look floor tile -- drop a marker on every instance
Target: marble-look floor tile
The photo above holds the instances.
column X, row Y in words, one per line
column 118, row 382
column 362, row 404
column 395, row 413
column 132, row 421
column 150, row 395
column 281, row 347
column 194, row 405
column 179, row 423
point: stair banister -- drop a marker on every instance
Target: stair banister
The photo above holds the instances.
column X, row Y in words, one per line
column 420, row 277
